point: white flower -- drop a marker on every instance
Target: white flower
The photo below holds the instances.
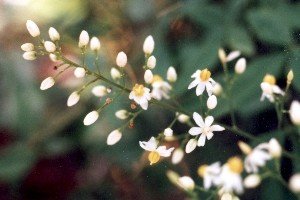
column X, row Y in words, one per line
column 122, row 114
column 79, row 72
column 294, row 183
column 49, row 46
column 202, row 81
column 141, row 95
column 29, row 55
column 186, row 183
column 274, row 148
column 269, row 88
column 121, row 59
column 47, row 83
column 160, row 88
column 155, row 151
column 148, row 46
column 53, row 57
column 217, row 89
column 295, row 112
column 151, row 62
column 252, row 181
column 27, row 47
column 182, row 118
column 95, row 44
column 73, row 99
column 148, row 76
column 210, row 174
column 205, row 128
column 83, row 39
column 171, row 74
column 32, row 28
column 240, row 66
column 99, row 91
column 232, row 55
column 115, row 74
column 53, row 34
column 177, row 156
column 114, row 137
column 90, row 118
column 168, row 132
column 290, row 77
column 211, row 102
column 191, row 146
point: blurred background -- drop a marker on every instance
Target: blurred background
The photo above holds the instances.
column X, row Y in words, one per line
column 46, row 151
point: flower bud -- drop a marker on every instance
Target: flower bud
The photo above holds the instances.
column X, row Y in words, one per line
column 217, row 89
column 294, row 183
column 73, row 99
column 49, row 46
column 27, row 47
column 275, row 148
column 115, row 74
column 295, row 112
column 53, row 57
column 183, row 118
column 190, row 146
column 83, row 39
column 177, row 156
column 168, row 132
column 240, row 66
column 148, row 46
column 171, row 74
column 53, row 34
column 222, row 55
column 233, row 55
column 151, row 62
column 32, row 28
column 211, row 102
column 290, row 77
column 245, row 148
column 47, row 83
column 121, row 59
column 122, row 114
column 99, row 91
column 30, row 55
column 114, row 137
column 186, row 183
column 95, row 44
column 173, row 177
column 79, row 72
column 148, row 76
column 90, row 118
column 252, row 181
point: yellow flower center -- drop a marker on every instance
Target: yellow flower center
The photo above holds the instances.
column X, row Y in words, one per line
column 138, row 90
column 235, row 164
column 269, row 79
column 205, row 74
column 153, row 157
column 157, row 78
column 201, row 170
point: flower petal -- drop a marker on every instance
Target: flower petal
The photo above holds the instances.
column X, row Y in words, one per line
column 198, row 119
column 209, row 135
column 217, row 128
column 201, row 141
column 195, row 131
column 200, row 88
column 163, row 151
column 209, row 120
column 193, row 84
column 150, row 145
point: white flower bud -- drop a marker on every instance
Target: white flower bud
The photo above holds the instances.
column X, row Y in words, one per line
column 275, row 148
column 252, row 181
column 171, row 74
column 148, row 46
column 122, row 114
column 53, row 57
column 222, row 55
column 294, row 183
column 53, row 34
column 99, row 91
column 177, row 156
column 114, row 137
column 173, row 177
column 211, row 102
column 295, row 112
column 79, row 72
column 191, row 146
column 233, row 55
column 290, row 77
column 183, row 118
column 148, row 76
column 83, row 39
column 32, row 28
column 49, row 46
column 73, row 99
column 240, row 66
column 245, row 148
column 90, row 118
column 151, row 62
column 217, row 89
column 186, row 183
column 27, row 47
column 168, row 132
column 121, row 59
column 115, row 74
column 30, row 55
column 95, row 44
column 47, row 83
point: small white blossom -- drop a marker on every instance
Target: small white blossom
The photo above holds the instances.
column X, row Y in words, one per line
column 205, row 129
column 53, row 57
column 269, row 88
column 294, row 183
column 83, row 39
column 53, row 34
column 232, row 55
column 177, row 156
column 210, row 174
column 73, row 99
column 47, row 83
column 27, row 47
column 32, row 28
column 202, row 81
column 95, row 44
column 295, row 112
column 217, row 89
column 168, row 132
column 240, row 66
column 141, row 95
column 148, row 46
column 252, row 181
column 211, row 102
column 274, row 148
column 148, row 76
column 160, row 88
column 114, row 137
column 79, row 72
column 171, row 74
column 99, row 91
column 122, row 114
column 191, row 146
column 115, row 74
column 49, row 46
column 186, row 183
column 121, row 59
column 29, row 55
column 222, row 55
column 151, row 62
column 182, row 118
column 90, row 118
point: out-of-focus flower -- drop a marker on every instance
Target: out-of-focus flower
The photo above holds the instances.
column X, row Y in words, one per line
column 114, row 137
column 95, row 44
column 274, row 148
column 47, row 83
column 217, row 89
column 151, row 62
column 171, row 74
column 90, row 118
column 294, row 183
column 252, row 181
column 99, row 91
column 29, row 55
column 210, row 174
column 168, row 132
column 32, row 28
column 211, row 102
column 141, row 95
column 148, row 76
column 202, row 81
column 186, row 183
column 53, row 57
column 27, row 47
column 269, row 88
column 121, row 59
column 160, row 88
column 290, row 77
column 84, row 39
column 177, row 156
column 79, row 72
column 148, row 46
column 240, row 66
column 53, row 34
column 183, row 118
column 295, row 112
column 122, row 114
column 49, row 46
column 73, row 99
column 115, row 74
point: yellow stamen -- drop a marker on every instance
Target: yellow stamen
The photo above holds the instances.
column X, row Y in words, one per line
column 153, row 157
column 138, row 90
column 205, row 74
column 201, row 170
column 235, row 165
column 269, row 79
column 156, row 78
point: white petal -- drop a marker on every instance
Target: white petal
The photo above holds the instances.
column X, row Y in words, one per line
column 209, row 135
column 201, row 141
column 193, row 84
column 200, row 88
column 190, row 146
column 198, row 119
column 163, row 151
column 209, row 88
column 150, row 145
column 209, row 120
column 144, row 103
column 233, row 55
column 217, row 128
column 195, row 131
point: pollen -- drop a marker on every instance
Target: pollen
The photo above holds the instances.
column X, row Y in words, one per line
column 153, row 157
column 205, row 74
column 269, row 79
column 201, row 170
column 235, row 165
column 157, row 78
column 138, row 90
